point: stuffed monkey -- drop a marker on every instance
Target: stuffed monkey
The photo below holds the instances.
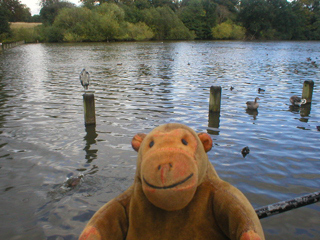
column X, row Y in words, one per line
column 176, row 194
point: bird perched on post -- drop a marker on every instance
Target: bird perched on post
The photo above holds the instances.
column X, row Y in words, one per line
column 253, row 105
column 295, row 100
column 84, row 79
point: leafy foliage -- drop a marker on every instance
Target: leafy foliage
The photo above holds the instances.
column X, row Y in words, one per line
column 4, row 24
column 15, row 11
column 228, row 31
column 166, row 24
column 102, row 20
column 49, row 12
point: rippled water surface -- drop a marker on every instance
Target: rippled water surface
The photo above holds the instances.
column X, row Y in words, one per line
column 139, row 86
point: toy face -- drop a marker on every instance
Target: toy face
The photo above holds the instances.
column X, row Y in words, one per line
column 169, row 170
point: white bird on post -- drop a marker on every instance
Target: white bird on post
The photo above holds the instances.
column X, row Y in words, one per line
column 84, row 79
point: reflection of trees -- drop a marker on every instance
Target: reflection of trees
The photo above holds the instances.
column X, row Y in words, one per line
column 90, row 138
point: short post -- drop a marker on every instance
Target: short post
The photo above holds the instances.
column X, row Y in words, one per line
column 307, row 90
column 89, row 109
column 215, row 99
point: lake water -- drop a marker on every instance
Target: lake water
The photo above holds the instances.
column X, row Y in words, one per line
column 139, row 86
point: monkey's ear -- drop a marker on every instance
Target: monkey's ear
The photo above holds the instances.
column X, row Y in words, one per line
column 206, row 141
column 137, row 140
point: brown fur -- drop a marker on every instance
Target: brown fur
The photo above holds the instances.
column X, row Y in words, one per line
column 176, row 194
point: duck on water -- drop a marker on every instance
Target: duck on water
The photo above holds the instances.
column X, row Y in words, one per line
column 297, row 101
column 253, row 105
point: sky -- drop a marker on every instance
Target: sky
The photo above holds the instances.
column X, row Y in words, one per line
column 35, row 8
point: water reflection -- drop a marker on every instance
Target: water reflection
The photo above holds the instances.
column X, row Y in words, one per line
column 90, row 138
column 305, row 110
column 214, row 123
column 253, row 113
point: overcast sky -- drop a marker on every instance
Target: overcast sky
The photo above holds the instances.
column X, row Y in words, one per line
column 35, row 8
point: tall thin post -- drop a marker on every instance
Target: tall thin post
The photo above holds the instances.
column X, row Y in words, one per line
column 89, row 109
column 215, row 99
column 307, row 90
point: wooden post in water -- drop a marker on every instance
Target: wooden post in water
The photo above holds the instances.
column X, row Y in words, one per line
column 89, row 109
column 307, row 90
column 215, row 99
column 214, row 109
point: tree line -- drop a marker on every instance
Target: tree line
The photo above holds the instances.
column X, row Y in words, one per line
column 112, row 20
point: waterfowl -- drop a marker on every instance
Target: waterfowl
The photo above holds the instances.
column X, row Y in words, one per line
column 295, row 100
column 245, row 151
column 231, row 88
column 261, row 90
column 253, row 105
column 84, row 79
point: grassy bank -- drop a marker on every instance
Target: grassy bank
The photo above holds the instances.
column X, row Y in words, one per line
column 23, row 31
column 17, row 25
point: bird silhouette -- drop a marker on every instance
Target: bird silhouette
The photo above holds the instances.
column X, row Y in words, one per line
column 84, row 79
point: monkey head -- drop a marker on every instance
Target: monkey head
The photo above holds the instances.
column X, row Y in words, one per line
column 172, row 162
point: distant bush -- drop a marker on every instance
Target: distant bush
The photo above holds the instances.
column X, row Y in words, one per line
column 27, row 34
column 107, row 22
column 139, row 31
column 228, row 30
column 50, row 34
column 165, row 24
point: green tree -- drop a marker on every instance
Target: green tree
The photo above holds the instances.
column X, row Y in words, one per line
column 228, row 30
column 165, row 24
column 51, row 9
column 255, row 17
column 16, row 12
column 198, row 16
column 104, row 23
column 36, row 18
column 282, row 19
column 4, row 23
column 139, row 31
column 307, row 17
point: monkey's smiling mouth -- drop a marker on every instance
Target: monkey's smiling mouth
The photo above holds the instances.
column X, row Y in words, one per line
column 170, row 186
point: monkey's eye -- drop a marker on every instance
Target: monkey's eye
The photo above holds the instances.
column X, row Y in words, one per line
column 151, row 144
column 184, row 142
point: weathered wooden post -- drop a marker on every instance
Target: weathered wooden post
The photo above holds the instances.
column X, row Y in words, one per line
column 88, row 100
column 215, row 99
column 89, row 109
column 214, row 123
column 307, row 90
column 214, row 108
